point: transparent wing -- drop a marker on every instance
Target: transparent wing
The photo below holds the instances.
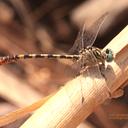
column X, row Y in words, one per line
column 76, row 46
column 87, row 37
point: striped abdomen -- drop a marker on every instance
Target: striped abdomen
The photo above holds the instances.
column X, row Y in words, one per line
column 10, row 59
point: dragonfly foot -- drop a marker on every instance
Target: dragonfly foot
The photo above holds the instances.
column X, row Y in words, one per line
column 118, row 93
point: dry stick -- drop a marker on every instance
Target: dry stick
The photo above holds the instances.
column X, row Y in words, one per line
column 120, row 50
column 66, row 109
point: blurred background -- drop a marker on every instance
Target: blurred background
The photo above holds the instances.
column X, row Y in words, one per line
column 51, row 26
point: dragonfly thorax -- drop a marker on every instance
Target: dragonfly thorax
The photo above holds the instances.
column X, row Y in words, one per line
column 91, row 56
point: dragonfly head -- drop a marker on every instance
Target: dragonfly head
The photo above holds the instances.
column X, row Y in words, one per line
column 109, row 55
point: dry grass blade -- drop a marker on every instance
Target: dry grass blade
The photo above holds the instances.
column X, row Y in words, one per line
column 19, row 113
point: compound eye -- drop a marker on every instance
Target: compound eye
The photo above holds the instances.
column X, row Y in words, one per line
column 109, row 55
column 108, row 51
column 109, row 58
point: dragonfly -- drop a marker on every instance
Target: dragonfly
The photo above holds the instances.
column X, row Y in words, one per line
column 83, row 53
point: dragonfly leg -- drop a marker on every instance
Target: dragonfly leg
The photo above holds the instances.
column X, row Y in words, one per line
column 118, row 93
